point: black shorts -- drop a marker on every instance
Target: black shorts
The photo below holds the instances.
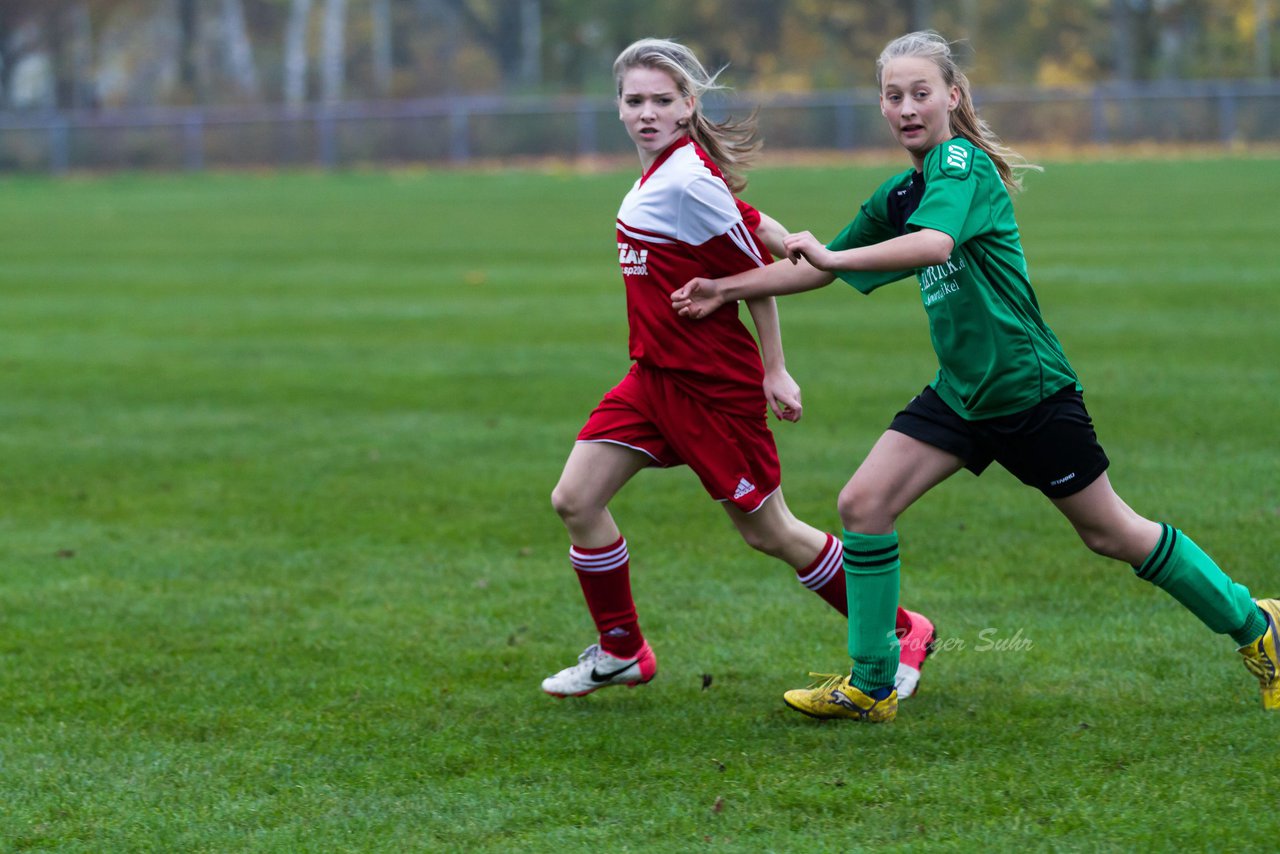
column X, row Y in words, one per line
column 1050, row 446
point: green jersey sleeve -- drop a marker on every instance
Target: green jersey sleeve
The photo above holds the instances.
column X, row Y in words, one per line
column 951, row 188
column 869, row 227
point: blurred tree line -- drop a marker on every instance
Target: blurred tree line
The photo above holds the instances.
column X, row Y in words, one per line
column 104, row 53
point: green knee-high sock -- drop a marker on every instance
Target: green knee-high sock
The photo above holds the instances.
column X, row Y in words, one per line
column 871, row 583
column 1179, row 567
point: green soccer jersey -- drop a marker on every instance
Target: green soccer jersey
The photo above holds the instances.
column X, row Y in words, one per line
column 996, row 355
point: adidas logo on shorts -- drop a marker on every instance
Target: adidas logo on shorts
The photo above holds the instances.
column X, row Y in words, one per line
column 745, row 487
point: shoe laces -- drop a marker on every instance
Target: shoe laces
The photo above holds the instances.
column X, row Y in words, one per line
column 830, row 681
column 1261, row 666
column 587, row 659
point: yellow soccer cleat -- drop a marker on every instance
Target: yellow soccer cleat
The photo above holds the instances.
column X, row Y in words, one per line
column 836, row 698
column 1262, row 658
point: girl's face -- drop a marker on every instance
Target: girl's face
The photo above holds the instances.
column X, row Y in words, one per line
column 653, row 111
column 917, row 104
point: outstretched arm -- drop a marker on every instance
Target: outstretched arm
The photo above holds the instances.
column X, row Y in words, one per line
column 699, row 297
column 782, row 392
column 922, row 248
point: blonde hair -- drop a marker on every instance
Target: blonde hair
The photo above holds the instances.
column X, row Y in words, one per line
column 731, row 144
column 965, row 120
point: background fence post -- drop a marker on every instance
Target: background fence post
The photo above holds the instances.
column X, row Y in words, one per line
column 586, row 129
column 845, row 124
column 459, row 132
column 326, row 144
column 59, row 144
column 1226, row 114
column 1098, row 113
column 193, row 141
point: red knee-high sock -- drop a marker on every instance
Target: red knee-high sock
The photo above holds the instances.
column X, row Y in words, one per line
column 825, row 576
column 605, row 576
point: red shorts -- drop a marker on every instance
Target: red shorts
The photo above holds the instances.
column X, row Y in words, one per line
column 734, row 456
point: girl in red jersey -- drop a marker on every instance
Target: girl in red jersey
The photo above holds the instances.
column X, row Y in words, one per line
column 697, row 394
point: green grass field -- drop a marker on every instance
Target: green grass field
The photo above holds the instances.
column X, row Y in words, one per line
column 280, row 573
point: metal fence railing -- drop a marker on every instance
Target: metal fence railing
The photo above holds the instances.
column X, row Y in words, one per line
column 463, row 129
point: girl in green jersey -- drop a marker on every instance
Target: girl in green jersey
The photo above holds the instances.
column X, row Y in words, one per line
column 1004, row 391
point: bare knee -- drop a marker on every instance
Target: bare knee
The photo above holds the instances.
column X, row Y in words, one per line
column 1121, row 535
column 865, row 511
column 1130, row 543
column 1100, row 541
column 1131, row 550
column 1107, row 525
column 571, row 504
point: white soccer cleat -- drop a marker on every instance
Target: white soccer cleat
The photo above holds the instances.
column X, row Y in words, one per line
column 906, row 680
column 598, row 669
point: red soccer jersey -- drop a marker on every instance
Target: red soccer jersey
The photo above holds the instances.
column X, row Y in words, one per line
column 681, row 221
